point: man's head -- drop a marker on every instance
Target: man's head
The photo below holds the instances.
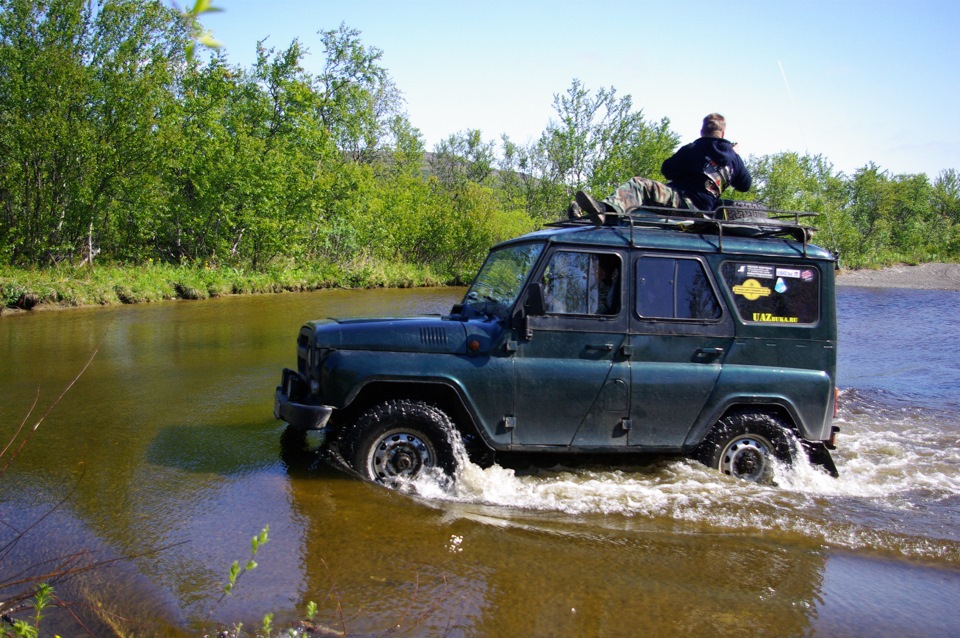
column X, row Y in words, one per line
column 713, row 126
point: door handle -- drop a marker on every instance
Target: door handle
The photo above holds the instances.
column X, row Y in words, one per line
column 606, row 347
column 703, row 353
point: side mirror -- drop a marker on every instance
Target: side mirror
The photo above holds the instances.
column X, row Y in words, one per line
column 534, row 305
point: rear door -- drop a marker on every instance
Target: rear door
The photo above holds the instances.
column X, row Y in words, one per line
column 680, row 332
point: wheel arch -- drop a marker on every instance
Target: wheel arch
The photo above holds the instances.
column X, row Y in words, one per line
column 440, row 393
column 776, row 408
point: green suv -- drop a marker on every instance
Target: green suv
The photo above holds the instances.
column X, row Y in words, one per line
column 648, row 334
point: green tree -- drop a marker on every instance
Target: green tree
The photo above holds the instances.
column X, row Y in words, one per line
column 46, row 129
column 946, row 196
column 597, row 143
column 513, row 171
column 134, row 80
column 248, row 182
column 358, row 100
column 83, row 95
column 407, row 153
column 895, row 216
column 463, row 157
column 793, row 182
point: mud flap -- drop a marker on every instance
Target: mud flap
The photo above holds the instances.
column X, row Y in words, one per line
column 820, row 455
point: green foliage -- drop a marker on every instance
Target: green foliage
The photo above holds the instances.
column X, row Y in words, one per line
column 84, row 95
column 358, row 101
column 67, row 285
column 19, row 628
column 11, row 293
column 597, row 143
column 946, row 196
column 895, row 218
column 871, row 218
column 792, row 182
column 461, row 158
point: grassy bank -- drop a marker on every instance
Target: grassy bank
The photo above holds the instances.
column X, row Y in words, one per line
column 68, row 285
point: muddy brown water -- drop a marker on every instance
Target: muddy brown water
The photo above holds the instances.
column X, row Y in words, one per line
column 164, row 460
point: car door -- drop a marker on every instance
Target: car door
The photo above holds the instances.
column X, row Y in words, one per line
column 680, row 332
column 572, row 379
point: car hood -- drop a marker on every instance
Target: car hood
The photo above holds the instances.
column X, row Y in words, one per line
column 407, row 334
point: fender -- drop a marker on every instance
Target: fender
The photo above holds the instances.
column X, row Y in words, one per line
column 805, row 406
column 483, row 385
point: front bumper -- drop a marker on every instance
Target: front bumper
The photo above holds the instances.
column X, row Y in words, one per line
column 287, row 406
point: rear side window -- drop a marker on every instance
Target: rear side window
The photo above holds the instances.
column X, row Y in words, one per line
column 774, row 293
column 670, row 288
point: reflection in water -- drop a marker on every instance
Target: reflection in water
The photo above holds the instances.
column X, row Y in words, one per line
column 490, row 570
column 173, row 428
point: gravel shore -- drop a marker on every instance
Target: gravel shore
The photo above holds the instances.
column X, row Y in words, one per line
column 933, row 276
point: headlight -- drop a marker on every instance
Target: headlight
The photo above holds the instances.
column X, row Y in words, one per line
column 315, row 357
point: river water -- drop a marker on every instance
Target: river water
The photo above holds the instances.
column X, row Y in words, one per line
column 163, row 460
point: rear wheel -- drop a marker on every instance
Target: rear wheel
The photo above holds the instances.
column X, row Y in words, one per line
column 744, row 445
column 400, row 439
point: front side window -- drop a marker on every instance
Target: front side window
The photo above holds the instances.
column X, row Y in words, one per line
column 582, row 283
column 774, row 293
column 501, row 278
column 672, row 288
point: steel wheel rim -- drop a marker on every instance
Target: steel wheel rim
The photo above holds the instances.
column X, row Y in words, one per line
column 746, row 457
column 400, row 455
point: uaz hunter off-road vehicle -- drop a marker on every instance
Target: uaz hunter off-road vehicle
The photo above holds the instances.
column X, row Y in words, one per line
column 649, row 333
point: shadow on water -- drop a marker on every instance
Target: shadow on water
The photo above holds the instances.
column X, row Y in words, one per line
column 223, row 449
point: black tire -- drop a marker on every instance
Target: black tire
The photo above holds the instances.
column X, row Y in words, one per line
column 731, row 209
column 743, row 445
column 400, row 439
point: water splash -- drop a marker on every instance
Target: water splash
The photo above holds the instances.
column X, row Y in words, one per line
column 898, row 490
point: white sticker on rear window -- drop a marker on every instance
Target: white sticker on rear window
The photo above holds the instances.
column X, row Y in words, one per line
column 755, row 270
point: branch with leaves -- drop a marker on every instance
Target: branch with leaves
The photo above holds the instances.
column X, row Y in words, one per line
column 199, row 34
column 236, row 571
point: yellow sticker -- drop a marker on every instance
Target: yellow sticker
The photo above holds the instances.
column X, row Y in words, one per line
column 751, row 289
column 768, row 318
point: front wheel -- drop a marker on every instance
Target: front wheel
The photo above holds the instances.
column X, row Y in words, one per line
column 744, row 445
column 400, row 439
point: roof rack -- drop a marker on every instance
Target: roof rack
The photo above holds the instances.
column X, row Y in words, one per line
column 760, row 223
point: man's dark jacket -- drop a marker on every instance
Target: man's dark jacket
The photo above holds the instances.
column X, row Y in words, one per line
column 702, row 169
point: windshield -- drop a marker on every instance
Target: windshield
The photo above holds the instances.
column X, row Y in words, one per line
column 499, row 282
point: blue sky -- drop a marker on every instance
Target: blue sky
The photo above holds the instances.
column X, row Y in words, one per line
column 856, row 81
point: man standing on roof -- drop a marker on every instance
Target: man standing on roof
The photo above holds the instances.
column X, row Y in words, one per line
column 699, row 173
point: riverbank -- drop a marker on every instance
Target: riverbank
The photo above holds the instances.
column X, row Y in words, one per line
column 104, row 285
column 78, row 286
column 932, row 276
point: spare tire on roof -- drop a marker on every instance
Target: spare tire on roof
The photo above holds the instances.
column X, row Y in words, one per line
column 739, row 209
